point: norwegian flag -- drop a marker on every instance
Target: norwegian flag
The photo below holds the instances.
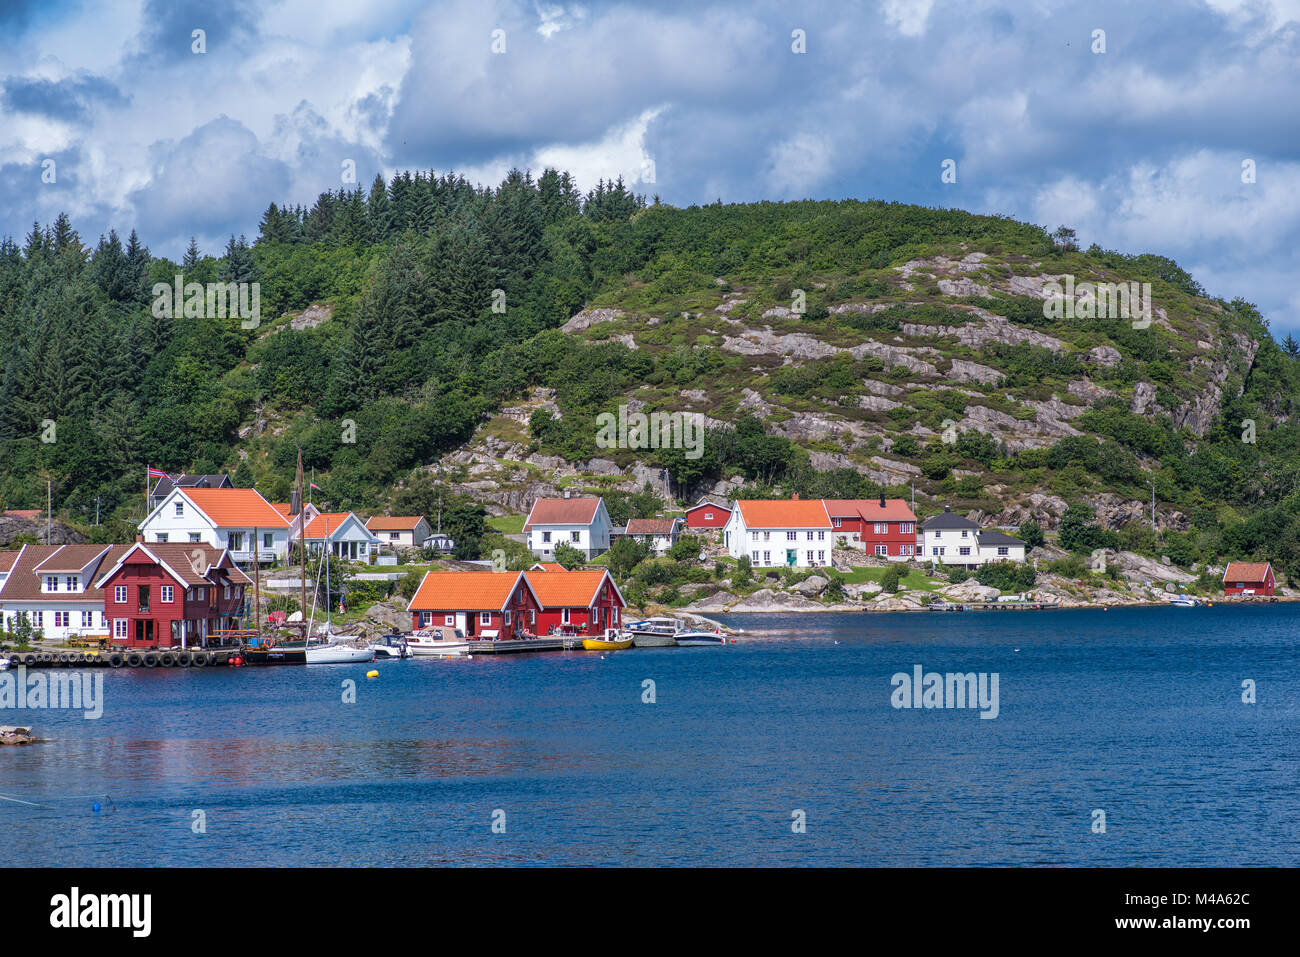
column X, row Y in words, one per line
column 314, row 485
column 156, row 473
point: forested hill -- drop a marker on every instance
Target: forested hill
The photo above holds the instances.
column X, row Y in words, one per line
column 484, row 330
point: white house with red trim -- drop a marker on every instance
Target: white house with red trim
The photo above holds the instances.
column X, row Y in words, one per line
column 581, row 523
column 794, row 533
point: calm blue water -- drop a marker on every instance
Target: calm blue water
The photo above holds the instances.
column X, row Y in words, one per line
column 1137, row 712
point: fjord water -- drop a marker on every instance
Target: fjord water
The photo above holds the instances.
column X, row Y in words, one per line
column 1137, row 712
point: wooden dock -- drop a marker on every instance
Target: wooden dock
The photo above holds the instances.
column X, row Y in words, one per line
column 504, row 646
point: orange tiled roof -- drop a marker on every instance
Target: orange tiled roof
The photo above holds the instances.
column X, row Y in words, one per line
column 316, row 527
column 548, row 567
column 394, row 523
column 236, row 507
column 467, row 591
column 1245, row 572
column 576, row 589
column 783, row 513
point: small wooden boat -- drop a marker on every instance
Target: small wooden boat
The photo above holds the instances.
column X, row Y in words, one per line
column 612, row 640
column 433, row 643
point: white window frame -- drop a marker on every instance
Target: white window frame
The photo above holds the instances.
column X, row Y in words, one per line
column 120, row 594
column 166, row 594
column 485, row 618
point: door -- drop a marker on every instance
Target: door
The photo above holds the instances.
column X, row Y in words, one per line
column 791, row 557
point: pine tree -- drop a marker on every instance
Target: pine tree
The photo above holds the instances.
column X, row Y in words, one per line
column 191, row 254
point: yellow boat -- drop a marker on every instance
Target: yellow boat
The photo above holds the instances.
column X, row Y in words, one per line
column 613, row 640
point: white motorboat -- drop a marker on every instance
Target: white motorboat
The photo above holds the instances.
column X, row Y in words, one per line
column 663, row 631
column 1183, row 601
column 392, row 645
column 435, row 643
column 699, row 639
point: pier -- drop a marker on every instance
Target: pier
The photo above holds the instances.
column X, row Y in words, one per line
column 167, row 658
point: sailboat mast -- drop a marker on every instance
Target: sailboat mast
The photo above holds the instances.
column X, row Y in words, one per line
column 257, row 586
column 329, row 617
column 302, row 553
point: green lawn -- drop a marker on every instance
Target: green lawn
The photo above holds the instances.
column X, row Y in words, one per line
column 507, row 524
column 914, row 580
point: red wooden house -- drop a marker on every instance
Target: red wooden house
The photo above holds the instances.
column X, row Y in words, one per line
column 884, row 527
column 587, row 601
column 479, row 604
column 1248, row 578
column 168, row 595
column 707, row 514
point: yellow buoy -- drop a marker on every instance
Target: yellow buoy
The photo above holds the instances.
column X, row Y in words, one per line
column 372, row 674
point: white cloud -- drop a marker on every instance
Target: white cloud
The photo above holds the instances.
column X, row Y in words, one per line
column 909, row 16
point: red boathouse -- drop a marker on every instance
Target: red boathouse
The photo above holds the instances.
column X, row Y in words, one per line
column 1248, row 578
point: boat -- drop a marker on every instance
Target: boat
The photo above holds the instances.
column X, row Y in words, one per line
column 1183, row 601
column 699, row 639
column 612, row 640
column 433, row 643
column 392, row 645
column 658, row 632
column 329, row 654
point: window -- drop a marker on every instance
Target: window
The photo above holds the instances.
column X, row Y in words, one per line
column 937, row 550
column 963, row 533
column 613, row 615
column 906, row 527
column 195, row 537
column 564, row 616
column 754, row 536
column 426, row 618
column 505, row 620
column 708, row 516
column 201, row 593
column 87, row 619
column 839, row 523
column 1003, row 550
column 268, row 540
column 161, row 538
column 767, row 558
column 119, row 627
column 73, row 582
column 767, row 536
column 882, row 528
column 532, row 616
column 938, row 534
column 38, row 619
column 821, row 536
column 180, row 507
column 882, row 550
column 905, row 550
column 235, row 540
column 485, row 618
column 449, row 620
column 51, row 582
column 168, row 592
column 964, row 550
column 821, row 557
column 791, row 536
column 546, row 536
column 810, row 557
column 753, row 558
column 575, row 536
column 394, row 536
column 60, row 619
column 119, row 594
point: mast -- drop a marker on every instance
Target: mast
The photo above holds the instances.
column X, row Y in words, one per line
column 329, row 617
column 257, row 587
column 302, row 553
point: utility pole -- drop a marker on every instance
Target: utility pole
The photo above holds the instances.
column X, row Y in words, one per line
column 96, row 509
column 1153, row 505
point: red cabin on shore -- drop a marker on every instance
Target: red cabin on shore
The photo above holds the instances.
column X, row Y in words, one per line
column 479, row 604
column 884, row 527
column 585, row 601
column 171, row 595
column 1248, row 578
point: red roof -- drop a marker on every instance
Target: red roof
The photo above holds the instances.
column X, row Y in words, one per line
column 30, row 514
column 24, row 581
column 709, row 505
column 783, row 513
column 7, row 560
column 1246, row 572
column 651, row 526
column 316, row 527
column 895, row 509
column 465, row 591
column 562, row 511
column 576, row 589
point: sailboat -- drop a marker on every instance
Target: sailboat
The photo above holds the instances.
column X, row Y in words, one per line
column 328, row 653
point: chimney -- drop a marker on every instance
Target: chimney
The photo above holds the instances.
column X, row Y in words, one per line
column 139, row 539
column 882, row 499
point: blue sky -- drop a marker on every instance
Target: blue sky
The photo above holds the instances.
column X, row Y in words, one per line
column 1139, row 148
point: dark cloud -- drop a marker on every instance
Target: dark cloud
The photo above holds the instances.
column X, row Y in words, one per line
column 71, row 98
column 229, row 26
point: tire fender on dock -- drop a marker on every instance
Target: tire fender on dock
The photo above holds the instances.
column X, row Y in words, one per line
column 135, row 659
column 115, row 660
column 200, row 659
column 150, row 660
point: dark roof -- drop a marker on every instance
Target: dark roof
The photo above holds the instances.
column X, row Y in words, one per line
column 947, row 520
column 24, row 581
column 185, row 480
column 991, row 536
